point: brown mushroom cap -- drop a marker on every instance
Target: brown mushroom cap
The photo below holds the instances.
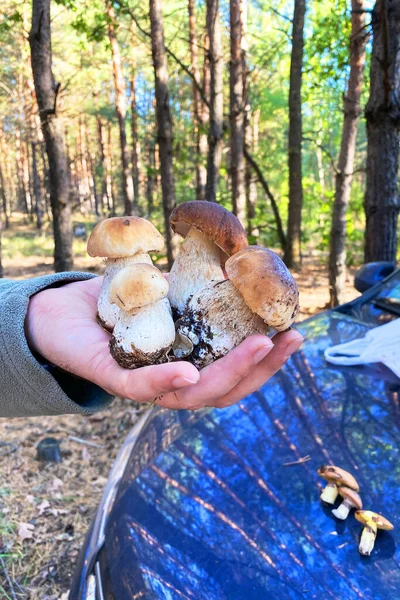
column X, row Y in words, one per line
column 338, row 476
column 120, row 237
column 137, row 286
column 364, row 516
column 214, row 221
column 266, row 285
column 351, row 495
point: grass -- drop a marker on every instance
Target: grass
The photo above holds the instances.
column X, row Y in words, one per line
column 23, row 240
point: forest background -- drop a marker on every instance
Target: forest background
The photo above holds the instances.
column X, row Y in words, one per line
column 286, row 112
column 264, row 107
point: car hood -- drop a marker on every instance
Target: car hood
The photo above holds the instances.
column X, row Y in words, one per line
column 207, row 508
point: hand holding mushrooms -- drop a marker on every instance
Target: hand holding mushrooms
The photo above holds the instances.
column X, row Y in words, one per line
column 212, row 314
column 62, row 324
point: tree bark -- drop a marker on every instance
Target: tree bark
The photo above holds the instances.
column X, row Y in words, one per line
column 216, row 100
column 46, row 94
column 344, row 174
column 128, row 195
column 164, row 121
column 4, row 198
column 237, row 105
column 293, row 248
column 135, row 120
column 383, row 124
column 198, row 109
column 37, row 190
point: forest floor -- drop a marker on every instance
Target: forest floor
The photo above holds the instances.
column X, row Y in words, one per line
column 46, row 509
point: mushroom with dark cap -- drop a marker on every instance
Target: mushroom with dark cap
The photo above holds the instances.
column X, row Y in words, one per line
column 212, row 234
column 335, row 476
column 123, row 241
column 350, row 500
column 259, row 293
column 372, row 521
column 144, row 331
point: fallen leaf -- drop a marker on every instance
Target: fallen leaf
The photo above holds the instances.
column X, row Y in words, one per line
column 43, row 506
column 25, row 531
column 55, row 485
column 30, row 499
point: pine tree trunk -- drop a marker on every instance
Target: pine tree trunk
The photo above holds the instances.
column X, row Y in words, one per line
column 216, row 100
column 4, row 199
column 37, row 190
column 46, row 94
column 344, row 175
column 164, row 121
column 111, row 194
column 383, row 124
column 293, row 248
column 237, row 97
column 198, row 112
column 135, row 120
column 251, row 141
column 120, row 105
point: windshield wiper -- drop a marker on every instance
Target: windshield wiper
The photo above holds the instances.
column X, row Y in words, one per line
column 390, row 304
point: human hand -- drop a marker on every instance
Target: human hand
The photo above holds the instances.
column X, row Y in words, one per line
column 61, row 326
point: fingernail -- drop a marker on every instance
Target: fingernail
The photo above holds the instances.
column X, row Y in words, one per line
column 262, row 353
column 293, row 346
column 181, row 381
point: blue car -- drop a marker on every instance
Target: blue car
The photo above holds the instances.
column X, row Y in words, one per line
column 219, row 505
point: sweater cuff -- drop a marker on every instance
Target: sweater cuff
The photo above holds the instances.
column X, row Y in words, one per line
column 27, row 387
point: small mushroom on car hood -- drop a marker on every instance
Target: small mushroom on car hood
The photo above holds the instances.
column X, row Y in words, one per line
column 350, row 500
column 259, row 293
column 372, row 521
column 335, row 476
column 144, row 331
column 123, row 241
column 212, row 234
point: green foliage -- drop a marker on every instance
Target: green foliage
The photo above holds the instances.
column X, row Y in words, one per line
column 82, row 64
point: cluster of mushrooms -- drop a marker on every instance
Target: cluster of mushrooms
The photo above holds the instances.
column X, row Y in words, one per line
column 220, row 290
column 341, row 482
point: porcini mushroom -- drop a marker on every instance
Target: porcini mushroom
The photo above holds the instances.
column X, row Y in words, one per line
column 212, row 234
column 372, row 521
column 259, row 293
column 123, row 241
column 350, row 500
column 335, row 476
column 144, row 331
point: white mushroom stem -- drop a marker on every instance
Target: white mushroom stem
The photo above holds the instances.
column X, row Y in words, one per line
column 330, row 493
column 108, row 312
column 368, row 536
column 342, row 511
column 149, row 329
column 217, row 319
column 197, row 264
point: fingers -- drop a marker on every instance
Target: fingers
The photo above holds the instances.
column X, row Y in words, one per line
column 285, row 344
column 146, row 383
column 219, row 378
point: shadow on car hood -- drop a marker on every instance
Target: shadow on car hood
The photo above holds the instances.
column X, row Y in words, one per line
column 206, row 508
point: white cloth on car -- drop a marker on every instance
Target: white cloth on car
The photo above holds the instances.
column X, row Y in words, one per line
column 380, row 345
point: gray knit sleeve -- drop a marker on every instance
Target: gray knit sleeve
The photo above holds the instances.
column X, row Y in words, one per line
column 29, row 387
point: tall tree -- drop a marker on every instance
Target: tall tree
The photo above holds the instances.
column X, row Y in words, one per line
column 383, row 125
column 134, row 118
column 293, row 247
column 47, row 95
column 237, row 98
column 344, row 172
column 164, row 120
column 200, row 115
column 216, row 99
column 120, row 105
